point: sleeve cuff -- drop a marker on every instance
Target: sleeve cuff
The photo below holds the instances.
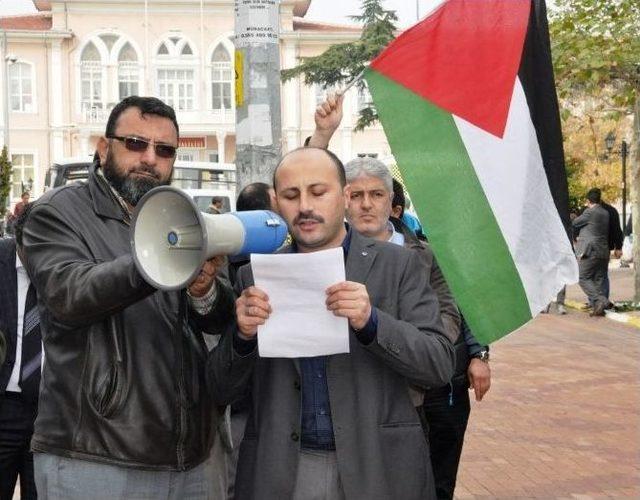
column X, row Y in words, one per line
column 368, row 333
column 202, row 305
column 243, row 347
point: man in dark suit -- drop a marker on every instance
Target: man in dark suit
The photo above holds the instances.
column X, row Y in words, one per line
column 592, row 250
column 342, row 426
column 20, row 372
column 616, row 238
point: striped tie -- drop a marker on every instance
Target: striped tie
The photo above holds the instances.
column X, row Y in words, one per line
column 31, row 348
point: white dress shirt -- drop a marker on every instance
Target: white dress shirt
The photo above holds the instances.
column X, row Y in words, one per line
column 23, row 288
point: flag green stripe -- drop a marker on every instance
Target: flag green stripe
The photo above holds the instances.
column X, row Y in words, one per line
column 449, row 199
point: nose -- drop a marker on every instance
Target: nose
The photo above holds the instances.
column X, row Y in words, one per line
column 149, row 155
column 306, row 206
column 366, row 201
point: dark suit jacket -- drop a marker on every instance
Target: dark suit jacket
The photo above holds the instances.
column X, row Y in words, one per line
column 616, row 238
column 593, row 240
column 8, row 306
column 381, row 448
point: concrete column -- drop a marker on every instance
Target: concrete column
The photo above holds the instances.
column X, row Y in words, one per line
column 220, row 138
column 258, row 120
column 56, row 109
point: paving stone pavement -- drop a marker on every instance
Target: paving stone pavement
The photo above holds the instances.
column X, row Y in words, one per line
column 561, row 420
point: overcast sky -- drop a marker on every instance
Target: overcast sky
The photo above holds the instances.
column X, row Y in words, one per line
column 332, row 11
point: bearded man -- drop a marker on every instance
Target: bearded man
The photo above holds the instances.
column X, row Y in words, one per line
column 129, row 393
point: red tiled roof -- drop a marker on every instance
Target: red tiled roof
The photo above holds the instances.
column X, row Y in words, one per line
column 304, row 25
column 42, row 5
column 35, row 22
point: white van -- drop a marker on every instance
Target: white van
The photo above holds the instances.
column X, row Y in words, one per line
column 201, row 179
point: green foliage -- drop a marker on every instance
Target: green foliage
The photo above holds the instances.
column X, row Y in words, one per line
column 342, row 63
column 5, row 180
column 596, row 51
column 596, row 57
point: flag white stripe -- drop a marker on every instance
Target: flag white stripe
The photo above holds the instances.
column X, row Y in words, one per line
column 512, row 175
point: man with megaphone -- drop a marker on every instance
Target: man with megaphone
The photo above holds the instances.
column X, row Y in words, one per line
column 129, row 392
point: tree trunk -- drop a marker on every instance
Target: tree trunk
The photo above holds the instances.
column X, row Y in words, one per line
column 635, row 193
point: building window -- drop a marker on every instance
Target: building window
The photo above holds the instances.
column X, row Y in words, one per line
column 221, row 78
column 91, row 77
column 128, row 72
column 212, row 156
column 21, row 87
column 187, row 155
column 176, row 88
column 176, row 73
column 22, row 175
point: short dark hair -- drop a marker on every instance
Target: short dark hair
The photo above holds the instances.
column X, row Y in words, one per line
column 19, row 222
column 146, row 105
column 25, row 193
column 217, row 199
column 594, row 195
column 398, row 196
column 335, row 160
column 254, row 196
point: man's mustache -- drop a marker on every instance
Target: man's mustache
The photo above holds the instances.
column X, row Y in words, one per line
column 144, row 169
column 306, row 218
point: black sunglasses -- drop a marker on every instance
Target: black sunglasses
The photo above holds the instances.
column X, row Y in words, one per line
column 138, row 145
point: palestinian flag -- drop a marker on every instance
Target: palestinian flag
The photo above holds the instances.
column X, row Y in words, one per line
column 467, row 100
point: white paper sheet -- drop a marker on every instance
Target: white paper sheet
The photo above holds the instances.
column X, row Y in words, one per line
column 300, row 325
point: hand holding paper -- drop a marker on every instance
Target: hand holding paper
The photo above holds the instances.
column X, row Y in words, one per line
column 300, row 323
column 350, row 300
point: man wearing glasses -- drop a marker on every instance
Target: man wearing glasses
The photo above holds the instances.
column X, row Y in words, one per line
column 129, row 392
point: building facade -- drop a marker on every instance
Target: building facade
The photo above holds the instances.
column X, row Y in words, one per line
column 67, row 66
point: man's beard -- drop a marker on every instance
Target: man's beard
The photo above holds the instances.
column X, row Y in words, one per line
column 131, row 189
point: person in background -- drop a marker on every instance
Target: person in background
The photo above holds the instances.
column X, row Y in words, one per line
column 21, row 204
column 217, row 205
column 255, row 196
column 375, row 202
column 592, row 250
column 20, row 371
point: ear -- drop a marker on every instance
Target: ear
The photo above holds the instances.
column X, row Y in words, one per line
column 101, row 148
column 346, row 191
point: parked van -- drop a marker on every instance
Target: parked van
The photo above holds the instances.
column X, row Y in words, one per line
column 201, row 179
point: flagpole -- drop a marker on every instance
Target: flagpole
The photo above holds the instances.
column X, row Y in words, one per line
column 351, row 83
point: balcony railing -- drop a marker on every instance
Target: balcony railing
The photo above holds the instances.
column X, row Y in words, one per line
column 99, row 113
column 95, row 112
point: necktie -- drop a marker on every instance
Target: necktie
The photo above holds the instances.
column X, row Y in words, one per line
column 31, row 348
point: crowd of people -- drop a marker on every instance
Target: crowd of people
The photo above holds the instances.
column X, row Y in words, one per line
column 127, row 399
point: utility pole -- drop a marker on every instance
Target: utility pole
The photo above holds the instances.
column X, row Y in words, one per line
column 257, row 66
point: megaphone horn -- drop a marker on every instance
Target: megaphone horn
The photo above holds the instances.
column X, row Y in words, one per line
column 171, row 239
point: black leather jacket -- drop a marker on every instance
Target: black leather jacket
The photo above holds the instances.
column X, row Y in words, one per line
column 125, row 380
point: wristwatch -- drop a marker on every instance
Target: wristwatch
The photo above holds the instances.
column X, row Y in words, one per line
column 482, row 355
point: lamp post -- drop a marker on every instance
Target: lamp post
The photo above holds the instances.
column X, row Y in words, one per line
column 609, row 142
column 623, row 155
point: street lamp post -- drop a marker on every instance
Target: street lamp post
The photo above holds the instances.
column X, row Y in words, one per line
column 623, row 155
column 609, row 142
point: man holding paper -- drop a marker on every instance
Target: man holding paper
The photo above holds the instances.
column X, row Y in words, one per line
column 339, row 425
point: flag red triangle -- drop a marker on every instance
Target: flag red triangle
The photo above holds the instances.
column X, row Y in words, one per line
column 463, row 58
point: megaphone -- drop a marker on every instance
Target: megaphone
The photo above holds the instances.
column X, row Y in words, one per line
column 171, row 239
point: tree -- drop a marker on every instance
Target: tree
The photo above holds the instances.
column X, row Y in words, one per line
column 5, row 181
column 343, row 62
column 596, row 56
